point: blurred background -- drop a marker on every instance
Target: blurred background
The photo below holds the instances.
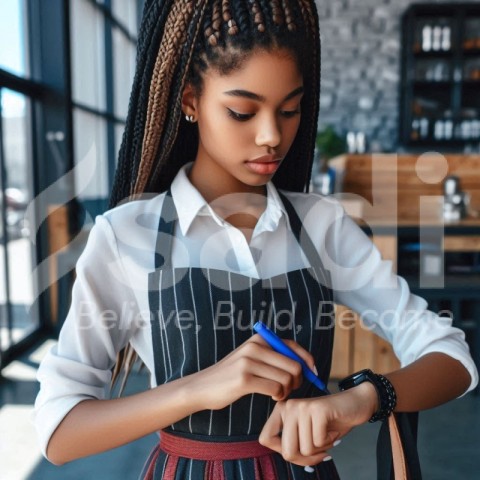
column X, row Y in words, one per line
column 398, row 144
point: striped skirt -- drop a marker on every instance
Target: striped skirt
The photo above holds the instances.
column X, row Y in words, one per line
column 199, row 457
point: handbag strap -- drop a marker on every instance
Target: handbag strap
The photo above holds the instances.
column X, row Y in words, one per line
column 397, row 455
column 400, row 468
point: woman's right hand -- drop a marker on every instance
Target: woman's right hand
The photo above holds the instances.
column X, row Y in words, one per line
column 253, row 367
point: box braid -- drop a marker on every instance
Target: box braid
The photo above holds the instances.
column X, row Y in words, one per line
column 178, row 42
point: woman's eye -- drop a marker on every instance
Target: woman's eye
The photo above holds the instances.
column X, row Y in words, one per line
column 291, row 113
column 242, row 117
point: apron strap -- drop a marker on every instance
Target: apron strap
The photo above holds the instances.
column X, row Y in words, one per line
column 306, row 244
column 166, row 229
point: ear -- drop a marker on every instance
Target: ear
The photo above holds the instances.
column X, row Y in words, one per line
column 189, row 100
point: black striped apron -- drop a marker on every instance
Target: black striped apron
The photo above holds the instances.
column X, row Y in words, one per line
column 199, row 315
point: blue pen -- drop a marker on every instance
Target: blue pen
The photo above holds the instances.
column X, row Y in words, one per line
column 279, row 346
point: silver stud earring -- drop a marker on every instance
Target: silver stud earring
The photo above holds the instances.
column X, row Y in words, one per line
column 189, row 118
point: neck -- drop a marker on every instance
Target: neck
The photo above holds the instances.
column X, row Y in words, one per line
column 213, row 189
column 238, row 203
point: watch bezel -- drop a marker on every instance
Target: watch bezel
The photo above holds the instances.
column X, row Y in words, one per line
column 357, row 378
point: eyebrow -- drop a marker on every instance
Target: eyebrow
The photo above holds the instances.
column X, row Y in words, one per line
column 260, row 98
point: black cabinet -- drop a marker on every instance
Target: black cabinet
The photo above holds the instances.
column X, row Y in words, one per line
column 440, row 76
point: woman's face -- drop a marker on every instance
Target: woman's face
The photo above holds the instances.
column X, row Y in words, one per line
column 244, row 116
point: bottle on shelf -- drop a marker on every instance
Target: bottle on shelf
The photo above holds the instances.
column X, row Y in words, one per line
column 448, row 129
column 446, row 38
column 427, row 38
column 437, row 38
column 424, row 127
column 439, row 130
column 356, row 142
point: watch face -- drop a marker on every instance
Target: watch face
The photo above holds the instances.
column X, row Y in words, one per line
column 362, row 376
column 355, row 379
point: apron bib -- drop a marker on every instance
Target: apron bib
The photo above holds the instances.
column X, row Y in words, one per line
column 199, row 315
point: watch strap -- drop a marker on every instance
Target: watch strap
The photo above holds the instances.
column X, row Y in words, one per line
column 387, row 398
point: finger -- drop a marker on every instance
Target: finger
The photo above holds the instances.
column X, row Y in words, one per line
column 285, row 380
column 271, row 432
column 290, row 441
column 305, row 355
column 322, row 437
column 265, row 386
column 264, row 354
column 306, row 446
column 312, row 459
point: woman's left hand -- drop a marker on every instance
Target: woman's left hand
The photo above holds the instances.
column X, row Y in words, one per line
column 303, row 430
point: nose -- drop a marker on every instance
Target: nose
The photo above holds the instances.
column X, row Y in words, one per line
column 268, row 132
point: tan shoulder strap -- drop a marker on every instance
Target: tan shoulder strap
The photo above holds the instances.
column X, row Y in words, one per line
column 399, row 461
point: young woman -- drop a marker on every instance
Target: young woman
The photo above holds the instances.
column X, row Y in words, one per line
column 216, row 234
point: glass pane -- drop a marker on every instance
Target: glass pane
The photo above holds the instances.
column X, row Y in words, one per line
column 17, row 195
column 124, row 70
column 125, row 11
column 13, row 37
column 88, row 54
column 90, row 143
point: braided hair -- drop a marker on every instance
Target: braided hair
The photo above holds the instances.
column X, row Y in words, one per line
column 179, row 40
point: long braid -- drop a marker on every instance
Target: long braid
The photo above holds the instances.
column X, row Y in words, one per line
column 164, row 171
column 310, row 16
column 242, row 17
column 278, row 13
column 258, row 16
column 174, row 37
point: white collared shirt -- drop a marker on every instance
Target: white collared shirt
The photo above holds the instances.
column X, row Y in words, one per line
column 110, row 303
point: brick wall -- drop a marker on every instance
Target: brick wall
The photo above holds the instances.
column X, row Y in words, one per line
column 361, row 67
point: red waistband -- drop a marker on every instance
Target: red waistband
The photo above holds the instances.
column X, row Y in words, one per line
column 199, row 450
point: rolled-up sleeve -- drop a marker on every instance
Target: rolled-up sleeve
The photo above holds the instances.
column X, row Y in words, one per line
column 98, row 325
column 367, row 284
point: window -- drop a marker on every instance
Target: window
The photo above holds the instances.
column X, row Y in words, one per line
column 103, row 38
column 124, row 70
column 13, row 32
column 90, row 147
column 125, row 12
column 17, row 256
column 88, row 55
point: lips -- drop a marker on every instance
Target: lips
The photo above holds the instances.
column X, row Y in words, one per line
column 265, row 165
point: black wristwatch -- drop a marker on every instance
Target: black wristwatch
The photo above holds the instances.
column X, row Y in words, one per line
column 387, row 399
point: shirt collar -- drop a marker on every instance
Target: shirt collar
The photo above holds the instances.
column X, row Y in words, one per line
column 190, row 203
column 187, row 199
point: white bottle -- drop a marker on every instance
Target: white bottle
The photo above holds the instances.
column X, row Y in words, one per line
column 361, row 142
column 446, row 38
column 424, row 127
column 351, row 142
column 427, row 38
column 448, row 129
column 437, row 38
column 439, row 130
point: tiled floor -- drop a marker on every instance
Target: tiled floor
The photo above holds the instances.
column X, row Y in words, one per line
column 449, row 439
